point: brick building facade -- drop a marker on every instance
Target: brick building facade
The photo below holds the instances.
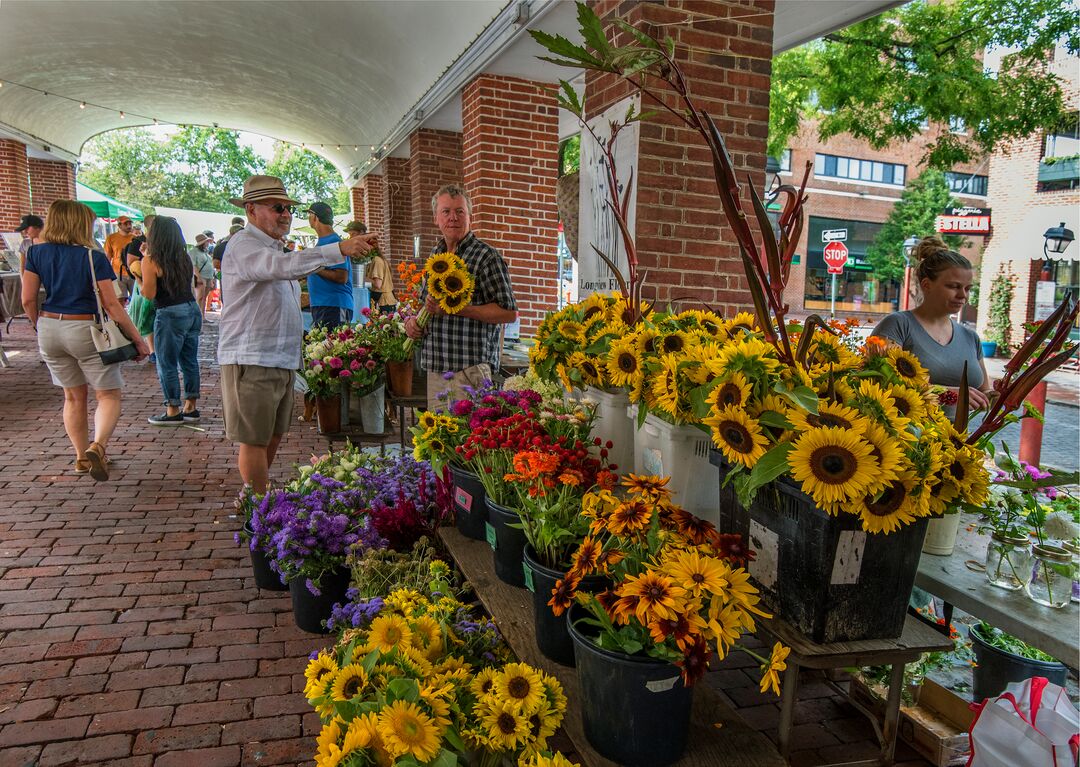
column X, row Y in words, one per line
column 1035, row 185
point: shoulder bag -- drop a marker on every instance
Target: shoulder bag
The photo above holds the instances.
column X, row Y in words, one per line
column 111, row 343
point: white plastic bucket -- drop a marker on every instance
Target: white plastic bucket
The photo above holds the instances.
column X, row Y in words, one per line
column 611, row 424
column 372, row 410
column 941, row 535
column 681, row 452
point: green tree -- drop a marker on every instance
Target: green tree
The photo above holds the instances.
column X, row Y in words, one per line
column 570, row 155
column 309, row 177
column 130, row 165
column 914, row 213
column 880, row 79
column 208, row 166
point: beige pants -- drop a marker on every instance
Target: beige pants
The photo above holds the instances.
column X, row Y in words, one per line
column 437, row 386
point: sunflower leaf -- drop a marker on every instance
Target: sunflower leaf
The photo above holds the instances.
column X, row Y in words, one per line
column 770, row 466
column 447, row 758
column 642, row 411
column 402, row 689
column 772, row 418
column 697, row 400
column 803, row 396
column 372, row 657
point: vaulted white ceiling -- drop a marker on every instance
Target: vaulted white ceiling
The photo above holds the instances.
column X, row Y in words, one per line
column 326, row 73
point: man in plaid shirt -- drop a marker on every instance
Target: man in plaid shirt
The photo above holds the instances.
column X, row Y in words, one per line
column 462, row 349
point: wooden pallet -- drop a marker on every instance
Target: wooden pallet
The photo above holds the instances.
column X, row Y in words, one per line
column 718, row 737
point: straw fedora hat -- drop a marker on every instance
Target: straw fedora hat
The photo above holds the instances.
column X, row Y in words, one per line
column 261, row 189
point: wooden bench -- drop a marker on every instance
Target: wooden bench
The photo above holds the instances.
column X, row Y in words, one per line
column 718, row 737
column 917, row 638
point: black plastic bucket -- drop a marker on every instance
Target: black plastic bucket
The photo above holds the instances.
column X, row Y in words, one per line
column 996, row 668
column 508, row 543
column 552, row 635
column 636, row 710
column 265, row 577
column 470, row 511
column 310, row 611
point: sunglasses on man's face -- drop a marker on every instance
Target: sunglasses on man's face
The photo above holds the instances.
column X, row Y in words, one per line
column 279, row 208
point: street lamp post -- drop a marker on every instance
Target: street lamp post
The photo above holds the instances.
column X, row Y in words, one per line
column 909, row 247
column 1056, row 240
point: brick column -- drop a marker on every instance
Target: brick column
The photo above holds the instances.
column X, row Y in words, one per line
column 510, row 149
column 356, row 196
column 681, row 237
column 50, row 180
column 374, row 187
column 435, row 160
column 397, row 212
column 14, row 184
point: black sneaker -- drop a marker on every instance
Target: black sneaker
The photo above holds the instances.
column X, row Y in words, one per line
column 192, row 417
column 164, row 419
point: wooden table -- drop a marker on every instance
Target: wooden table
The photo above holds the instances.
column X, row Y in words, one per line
column 916, row 639
column 718, row 737
column 1056, row 632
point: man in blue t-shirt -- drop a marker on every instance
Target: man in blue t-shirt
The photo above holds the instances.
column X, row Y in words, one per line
column 330, row 289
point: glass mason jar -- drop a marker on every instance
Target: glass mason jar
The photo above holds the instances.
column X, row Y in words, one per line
column 1008, row 561
column 1073, row 549
column 1052, row 579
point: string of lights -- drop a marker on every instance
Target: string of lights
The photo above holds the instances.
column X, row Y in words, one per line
column 375, row 152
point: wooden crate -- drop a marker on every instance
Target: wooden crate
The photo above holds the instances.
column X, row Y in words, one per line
column 937, row 727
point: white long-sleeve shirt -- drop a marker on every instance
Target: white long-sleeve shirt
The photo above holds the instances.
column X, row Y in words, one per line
column 261, row 324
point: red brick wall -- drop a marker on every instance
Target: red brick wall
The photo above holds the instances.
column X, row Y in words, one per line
column 397, row 212
column 356, row 196
column 510, row 149
column 374, row 190
column 50, row 180
column 435, row 160
column 688, row 250
column 14, row 184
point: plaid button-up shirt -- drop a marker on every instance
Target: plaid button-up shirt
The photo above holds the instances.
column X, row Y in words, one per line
column 453, row 342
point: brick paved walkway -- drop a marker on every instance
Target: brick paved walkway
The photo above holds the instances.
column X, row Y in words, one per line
column 130, row 631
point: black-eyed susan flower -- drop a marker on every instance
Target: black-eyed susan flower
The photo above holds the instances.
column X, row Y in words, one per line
column 649, row 596
column 770, row 670
column 833, row 465
column 698, row 574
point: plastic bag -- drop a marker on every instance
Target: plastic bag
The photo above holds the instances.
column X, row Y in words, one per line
column 1031, row 724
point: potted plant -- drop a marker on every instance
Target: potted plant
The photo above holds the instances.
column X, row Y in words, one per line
column 251, row 508
column 1001, row 658
column 677, row 594
column 386, row 333
column 998, row 324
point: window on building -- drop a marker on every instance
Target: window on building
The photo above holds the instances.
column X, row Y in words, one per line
column 957, row 125
column 857, row 289
column 966, row 183
column 853, row 169
column 1060, row 166
column 785, row 161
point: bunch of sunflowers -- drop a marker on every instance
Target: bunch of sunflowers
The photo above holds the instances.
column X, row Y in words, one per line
column 572, row 344
column 860, row 432
column 449, row 283
column 678, row 589
column 424, row 683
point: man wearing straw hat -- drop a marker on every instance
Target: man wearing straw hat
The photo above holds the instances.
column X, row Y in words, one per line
column 261, row 329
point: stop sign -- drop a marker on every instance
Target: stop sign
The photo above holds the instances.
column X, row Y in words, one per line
column 836, row 254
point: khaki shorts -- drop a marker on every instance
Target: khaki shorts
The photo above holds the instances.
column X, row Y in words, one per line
column 437, row 385
column 257, row 402
column 69, row 351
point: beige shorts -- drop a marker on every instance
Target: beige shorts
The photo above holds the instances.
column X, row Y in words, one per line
column 437, row 385
column 257, row 402
column 69, row 351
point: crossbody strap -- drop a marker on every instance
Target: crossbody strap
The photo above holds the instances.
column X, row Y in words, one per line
column 97, row 293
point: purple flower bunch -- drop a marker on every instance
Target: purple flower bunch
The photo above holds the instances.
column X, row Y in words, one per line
column 355, row 613
column 403, row 500
column 307, row 535
column 489, row 404
column 480, row 637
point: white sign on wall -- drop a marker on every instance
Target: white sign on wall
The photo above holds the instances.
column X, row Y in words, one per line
column 597, row 226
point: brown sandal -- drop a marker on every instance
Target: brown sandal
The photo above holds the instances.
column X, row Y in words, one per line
column 95, row 456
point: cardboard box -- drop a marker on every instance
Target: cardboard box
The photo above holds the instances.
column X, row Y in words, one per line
column 937, row 727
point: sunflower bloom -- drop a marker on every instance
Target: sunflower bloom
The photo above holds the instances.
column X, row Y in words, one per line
column 405, row 729
column 891, row 507
column 833, row 465
column 731, row 392
column 505, row 724
column 348, row 682
column 739, row 437
column 521, row 686
column 388, row 632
